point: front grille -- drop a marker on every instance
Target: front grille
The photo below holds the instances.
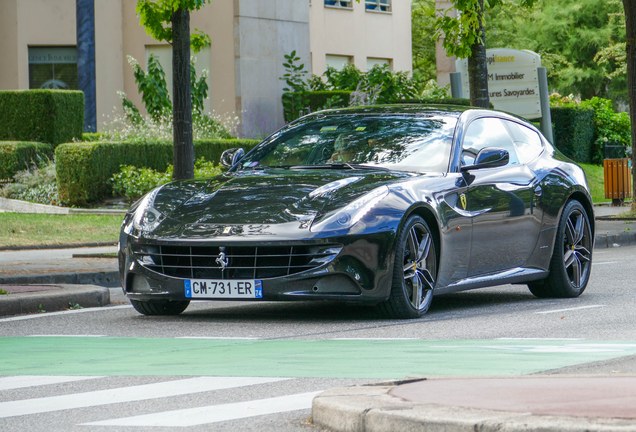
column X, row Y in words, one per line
column 243, row 262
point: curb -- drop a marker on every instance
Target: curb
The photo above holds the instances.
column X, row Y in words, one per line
column 604, row 241
column 54, row 300
column 369, row 408
column 59, row 246
column 19, row 206
column 102, row 279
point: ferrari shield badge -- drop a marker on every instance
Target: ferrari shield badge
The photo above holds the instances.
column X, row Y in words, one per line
column 462, row 200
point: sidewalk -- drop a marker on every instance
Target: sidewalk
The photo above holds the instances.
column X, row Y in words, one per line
column 504, row 404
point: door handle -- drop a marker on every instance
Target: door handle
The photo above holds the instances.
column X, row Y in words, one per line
column 538, row 191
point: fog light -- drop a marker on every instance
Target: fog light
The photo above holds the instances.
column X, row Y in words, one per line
column 140, row 285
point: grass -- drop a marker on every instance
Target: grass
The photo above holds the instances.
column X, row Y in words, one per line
column 596, row 180
column 628, row 214
column 20, row 229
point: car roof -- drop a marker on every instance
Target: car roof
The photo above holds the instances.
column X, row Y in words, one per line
column 443, row 110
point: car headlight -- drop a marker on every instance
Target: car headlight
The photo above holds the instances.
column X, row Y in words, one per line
column 146, row 217
column 348, row 216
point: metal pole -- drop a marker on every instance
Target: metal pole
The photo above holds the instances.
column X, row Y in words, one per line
column 546, row 117
column 85, row 12
column 456, row 85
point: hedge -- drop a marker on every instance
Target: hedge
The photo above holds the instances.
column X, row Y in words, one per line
column 83, row 169
column 18, row 156
column 444, row 101
column 573, row 131
column 50, row 116
column 317, row 100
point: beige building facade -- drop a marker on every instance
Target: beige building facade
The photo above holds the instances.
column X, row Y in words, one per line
column 244, row 61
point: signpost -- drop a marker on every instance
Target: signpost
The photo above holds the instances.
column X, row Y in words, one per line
column 514, row 84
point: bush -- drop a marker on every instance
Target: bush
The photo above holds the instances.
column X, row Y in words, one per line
column 441, row 101
column 18, row 156
column 318, row 100
column 93, row 136
column 50, row 116
column 134, row 182
column 83, row 169
column 35, row 184
column 609, row 127
column 573, row 131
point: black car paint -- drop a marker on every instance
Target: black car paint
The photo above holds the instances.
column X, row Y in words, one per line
column 262, row 208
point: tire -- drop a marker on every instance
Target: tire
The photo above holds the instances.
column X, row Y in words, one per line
column 571, row 260
column 160, row 307
column 414, row 272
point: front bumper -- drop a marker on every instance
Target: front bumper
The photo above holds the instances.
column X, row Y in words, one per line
column 361, row 272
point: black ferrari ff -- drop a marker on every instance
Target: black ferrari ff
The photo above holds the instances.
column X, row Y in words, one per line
column 384, row 205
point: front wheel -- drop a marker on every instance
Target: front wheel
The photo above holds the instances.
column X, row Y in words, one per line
column 160, row 307
column 414, row 272
column 571, row 261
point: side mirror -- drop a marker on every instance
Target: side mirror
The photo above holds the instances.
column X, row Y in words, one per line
column 489, row 157
column 230, row 157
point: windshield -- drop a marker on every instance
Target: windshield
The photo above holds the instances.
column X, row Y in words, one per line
column 398, row 142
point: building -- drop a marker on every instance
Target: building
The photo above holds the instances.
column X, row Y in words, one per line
column 249, row 40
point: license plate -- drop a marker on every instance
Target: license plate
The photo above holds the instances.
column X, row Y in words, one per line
column 214, row 288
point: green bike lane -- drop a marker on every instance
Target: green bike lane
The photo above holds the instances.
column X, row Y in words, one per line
column 372, row 359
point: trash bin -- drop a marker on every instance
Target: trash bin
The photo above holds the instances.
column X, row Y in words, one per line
column 618, row 181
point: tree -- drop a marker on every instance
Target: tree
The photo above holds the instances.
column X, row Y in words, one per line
column 422, row 29
column 465, row 37
column 630, row 33
column 169, row 20
column 578, row 31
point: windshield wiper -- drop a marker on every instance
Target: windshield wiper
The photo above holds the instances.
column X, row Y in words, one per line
column 339, row 166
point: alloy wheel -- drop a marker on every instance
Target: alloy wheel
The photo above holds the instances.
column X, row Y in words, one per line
column 419, row 266
column 577, row 248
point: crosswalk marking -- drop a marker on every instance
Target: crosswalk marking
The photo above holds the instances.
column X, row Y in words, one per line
column 16, row 382
column 216, row 413
column 126, row 394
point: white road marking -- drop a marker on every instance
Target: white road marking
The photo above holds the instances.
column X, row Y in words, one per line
column 570, row 309
column 16, row 382
column 371, row 339
column 73, row 311
column 605, row 262
column 127, row 394
column 69, row 335
column 543, row 339
column 219, row 337
column 216, row 413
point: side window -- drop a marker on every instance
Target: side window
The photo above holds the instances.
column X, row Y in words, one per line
column 526, row 141
column 486, row 132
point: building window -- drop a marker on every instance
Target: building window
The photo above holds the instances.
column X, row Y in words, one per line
column 339, row 3
column 372, row 61
column 338, row 62
column 378, row 5
column 53, row 68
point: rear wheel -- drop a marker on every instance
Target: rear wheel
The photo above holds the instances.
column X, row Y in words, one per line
column 414, row 272
column 160, row 307
column 572, row 257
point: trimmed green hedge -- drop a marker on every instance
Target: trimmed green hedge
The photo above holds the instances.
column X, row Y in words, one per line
column 18, row 156
column 573, row 130
column 93, row 136
column 445, row 101
column 317, row 100
column 50, row 116
column 83, row 169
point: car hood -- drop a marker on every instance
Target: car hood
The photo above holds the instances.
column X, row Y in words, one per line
column 264, row 197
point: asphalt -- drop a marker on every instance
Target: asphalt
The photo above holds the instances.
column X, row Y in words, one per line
column 39, row 280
